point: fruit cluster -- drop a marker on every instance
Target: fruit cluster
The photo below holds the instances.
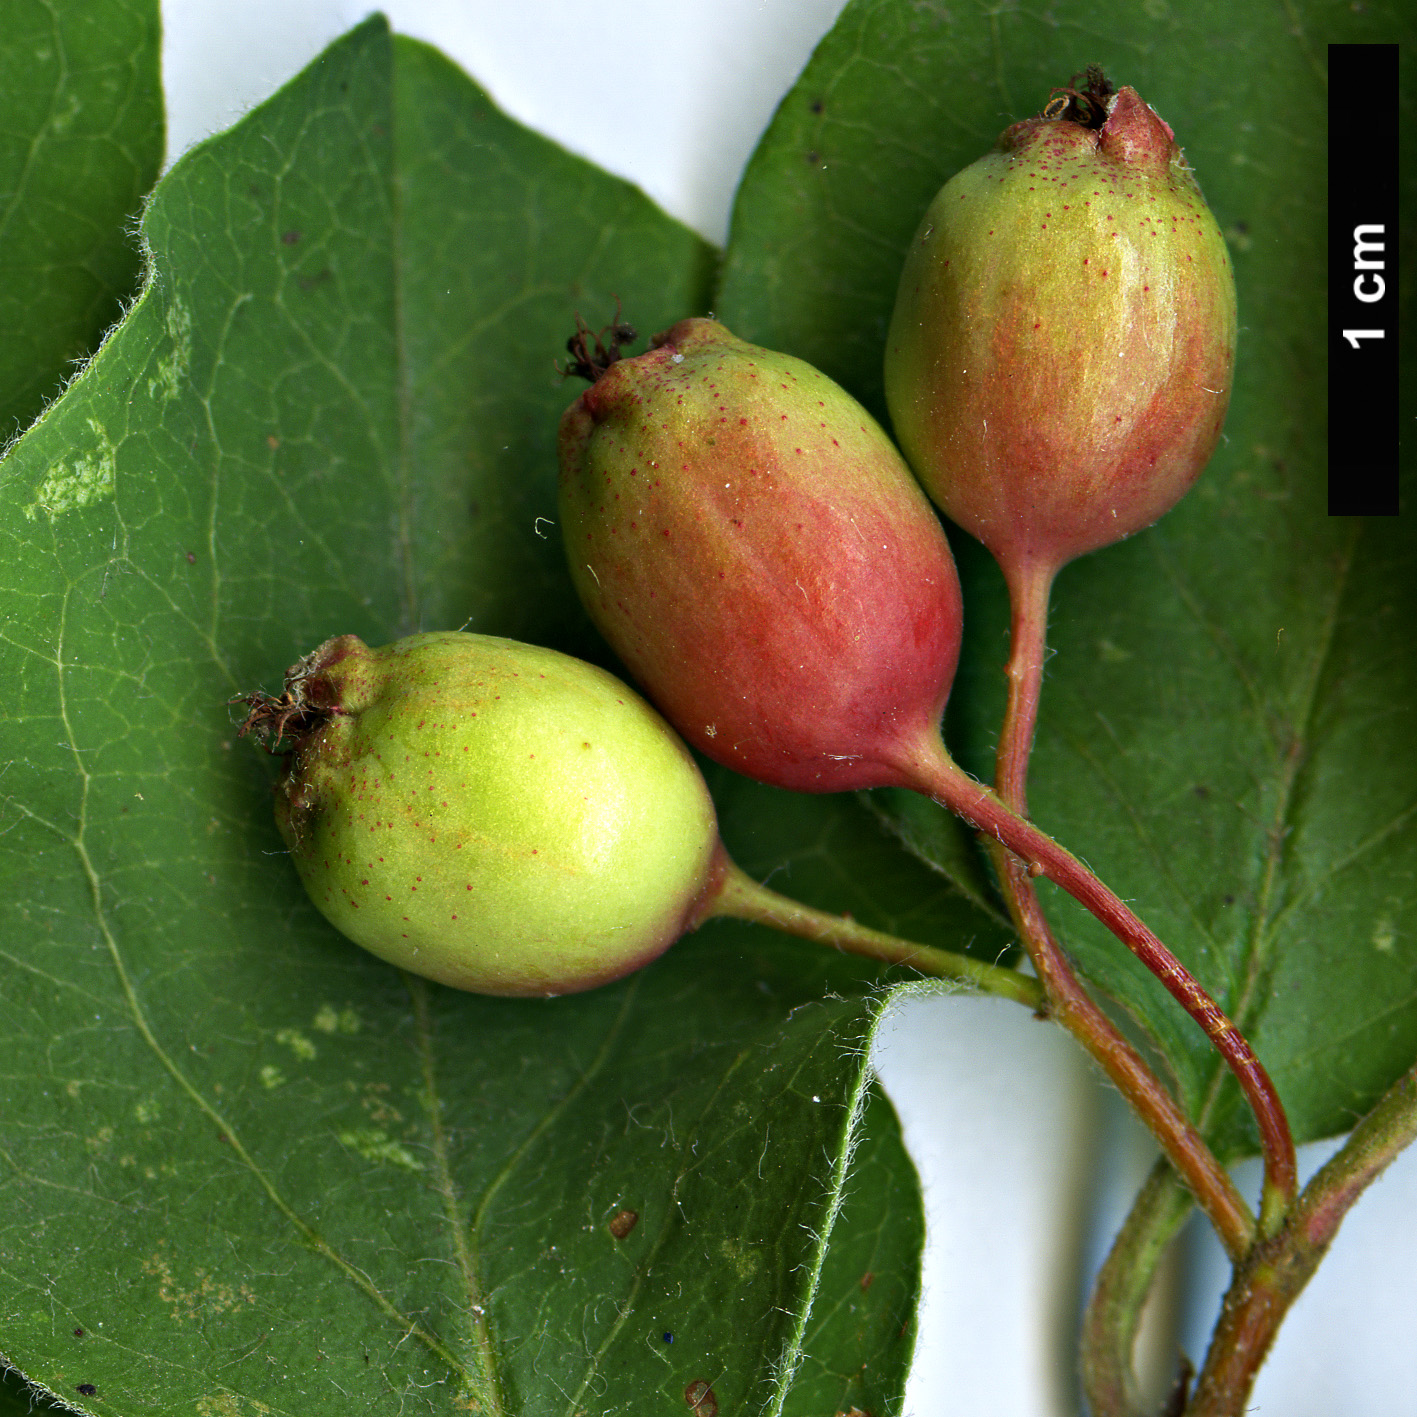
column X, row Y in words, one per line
column 765, row 563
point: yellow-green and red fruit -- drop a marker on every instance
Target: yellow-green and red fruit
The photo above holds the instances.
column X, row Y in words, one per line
column 1059, row 362
column 498, row 817
column 755, row 549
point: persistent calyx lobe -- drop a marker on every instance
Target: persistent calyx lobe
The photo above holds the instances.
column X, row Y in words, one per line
column 756, row 551
column 1059, row 362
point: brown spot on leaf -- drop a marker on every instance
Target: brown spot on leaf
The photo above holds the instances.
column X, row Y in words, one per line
column 622, row 1222
column 699, row 1396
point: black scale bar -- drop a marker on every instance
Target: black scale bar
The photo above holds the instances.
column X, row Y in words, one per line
column 1362, row 280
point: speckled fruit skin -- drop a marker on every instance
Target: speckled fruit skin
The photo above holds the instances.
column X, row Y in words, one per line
column 757, row 552
column 1059, row 361
column 492, row 815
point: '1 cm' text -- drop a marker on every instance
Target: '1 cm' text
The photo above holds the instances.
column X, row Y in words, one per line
column 1363, row 262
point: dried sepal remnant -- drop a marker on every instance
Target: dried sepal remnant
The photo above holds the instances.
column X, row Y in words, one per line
column 594, row 351
column 276, row 719
column 273, row 719
column 1059, row 361
column 492, row 815
column 1083, row 99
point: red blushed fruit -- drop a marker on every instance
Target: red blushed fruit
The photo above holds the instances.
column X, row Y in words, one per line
column 1060, row 358
column 756, row 551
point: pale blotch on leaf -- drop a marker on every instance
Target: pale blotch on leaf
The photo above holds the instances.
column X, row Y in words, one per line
column 297, row 1042
column 743, row 1260
column 330, row 1020
column 86, row 479
column 202, row 1294
column 376, row 1103
column 100, row 1139
column 147, row 1112
column 172, row 367
column 1239, row 237
column 271, row 1076
column 227, row 1404
column 1384, row 936
column 1109, row 653
column 375, row 1145
column 63, row 120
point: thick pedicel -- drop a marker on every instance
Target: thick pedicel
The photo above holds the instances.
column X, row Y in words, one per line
column 495, row 816
column 757, row 552
column 1059, row 361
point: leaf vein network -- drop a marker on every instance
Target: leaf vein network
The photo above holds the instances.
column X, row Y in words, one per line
column 138, row 1015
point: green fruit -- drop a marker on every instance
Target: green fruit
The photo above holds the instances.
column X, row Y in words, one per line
column 495, row 816
column 1059, row 361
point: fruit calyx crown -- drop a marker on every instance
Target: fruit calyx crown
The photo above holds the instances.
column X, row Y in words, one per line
column 1117, row 122
column 307, row 702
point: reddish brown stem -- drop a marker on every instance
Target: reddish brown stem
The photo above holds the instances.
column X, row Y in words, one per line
column 1030, row 584
column 1107, row 1352
column 1071, row 1005
column 932, row 771
column 1029, row 589
column 1275, row 1273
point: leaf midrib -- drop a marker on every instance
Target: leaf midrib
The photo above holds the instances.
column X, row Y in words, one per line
column 1256, row 959
column 1290, row 735
column 489, row 1389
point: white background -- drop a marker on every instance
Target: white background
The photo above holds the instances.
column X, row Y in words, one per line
column 1006, row 1123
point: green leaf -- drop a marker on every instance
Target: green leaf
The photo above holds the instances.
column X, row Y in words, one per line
column 261, row 1170
column 81, row 140
column 858, row 1345
column 1227, row 733
column 500, row 245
